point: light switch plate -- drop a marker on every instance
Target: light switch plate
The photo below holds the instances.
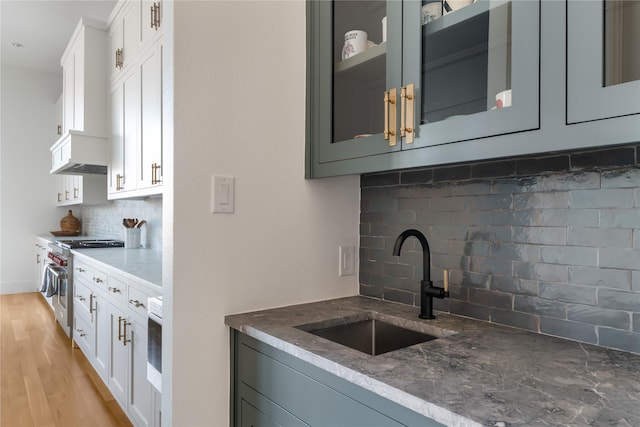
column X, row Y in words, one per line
column 222, row 194
column 347, row 255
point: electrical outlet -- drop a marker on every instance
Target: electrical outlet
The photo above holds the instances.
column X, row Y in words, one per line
column 347, row 262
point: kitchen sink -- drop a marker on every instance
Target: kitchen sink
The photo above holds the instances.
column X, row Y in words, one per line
column 371, row 336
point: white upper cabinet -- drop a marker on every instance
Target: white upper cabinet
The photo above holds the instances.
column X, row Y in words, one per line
column 135, row 168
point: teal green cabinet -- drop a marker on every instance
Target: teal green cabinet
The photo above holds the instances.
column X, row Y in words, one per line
column 272, row 388
column 470, row 74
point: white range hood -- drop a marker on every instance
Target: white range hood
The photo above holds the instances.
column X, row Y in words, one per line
column 80, row 153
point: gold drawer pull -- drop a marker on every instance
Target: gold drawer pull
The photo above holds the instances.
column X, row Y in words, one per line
column 407, row 113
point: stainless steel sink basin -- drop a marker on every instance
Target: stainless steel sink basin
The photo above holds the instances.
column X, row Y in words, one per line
column 371, row 336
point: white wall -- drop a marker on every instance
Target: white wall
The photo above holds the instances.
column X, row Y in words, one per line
column 240, row 110
column 27, row 191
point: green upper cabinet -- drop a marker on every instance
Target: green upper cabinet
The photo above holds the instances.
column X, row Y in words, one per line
column 385, row 77
column 603, row 60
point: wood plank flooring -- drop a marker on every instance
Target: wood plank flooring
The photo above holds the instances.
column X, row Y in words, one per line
column 43, row 381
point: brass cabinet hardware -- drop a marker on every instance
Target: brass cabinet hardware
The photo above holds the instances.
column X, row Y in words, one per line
column 136, row 303
column 155, row 16
column 59, row 197
column 154, row 174
column 119, row 58
column 407, row 112
column 390, row 99
column 59, row 129
column 66, row 194
column 124, row 335
column 119, row 182
column 76, row 191
column 91, row 309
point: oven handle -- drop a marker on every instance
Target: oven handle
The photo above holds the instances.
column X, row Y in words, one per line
column 59, row 273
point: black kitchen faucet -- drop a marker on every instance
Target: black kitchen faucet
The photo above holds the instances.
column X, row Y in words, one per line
column 427, row 290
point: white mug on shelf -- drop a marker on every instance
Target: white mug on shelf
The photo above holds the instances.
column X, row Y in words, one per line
column 503, row 99
column 355, row 42
column 431, row 12
column 449, row 6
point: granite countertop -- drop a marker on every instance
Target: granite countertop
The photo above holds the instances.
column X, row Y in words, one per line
column 142, row 264
column 475, row 374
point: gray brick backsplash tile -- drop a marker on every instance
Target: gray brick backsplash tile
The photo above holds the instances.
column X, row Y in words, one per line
column 474, row 311
column 470, row 218
column 620, row 218
column 542, row 272
column 569, row 293
column 540, row 235
column 489, row 202
column 600, row 277
column 398, row 270
column 551, row 250
column 569, row 255
column 416, row 205
column 490, row 298
column 569, row 217
column 516, row 251
column 599, row 316
column 433, row 217
column 622, row 198
column 492, row 233
column 552, row 200
column 618, row 300
column 542, row 307
column 471, row 188
column 600, row 237
column 620, row 258
column 526, row 321
column 622, row 178
column 491, row 266
column 395, row 295
column 515, row 285
column 622, row 340
column 574, row 181
column 568, row 329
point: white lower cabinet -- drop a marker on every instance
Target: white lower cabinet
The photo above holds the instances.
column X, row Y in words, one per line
column 112, row 333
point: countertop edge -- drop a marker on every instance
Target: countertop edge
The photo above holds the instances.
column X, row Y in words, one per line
column 387, row 391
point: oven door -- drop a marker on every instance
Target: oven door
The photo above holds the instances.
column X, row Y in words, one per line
column 154, row 351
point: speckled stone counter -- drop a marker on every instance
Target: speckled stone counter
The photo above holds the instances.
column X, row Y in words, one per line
column 475, row 374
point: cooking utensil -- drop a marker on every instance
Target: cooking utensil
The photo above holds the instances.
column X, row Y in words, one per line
column 141, row 223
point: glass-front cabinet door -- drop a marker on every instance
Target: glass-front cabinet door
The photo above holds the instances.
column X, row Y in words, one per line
column 603, row 60
column 470, row 68
column 385, row 76
column 358, row 70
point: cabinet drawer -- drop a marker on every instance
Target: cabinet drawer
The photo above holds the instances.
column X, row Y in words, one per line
column 82, row 271
column 100, row 279
column 81, row 300
column 83, row 334
column 138, row 301
column 117, row 290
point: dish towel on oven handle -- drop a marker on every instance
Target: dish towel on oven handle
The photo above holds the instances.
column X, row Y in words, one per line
column 49, row 281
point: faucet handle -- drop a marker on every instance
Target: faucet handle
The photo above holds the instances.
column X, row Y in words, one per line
column 445, row 276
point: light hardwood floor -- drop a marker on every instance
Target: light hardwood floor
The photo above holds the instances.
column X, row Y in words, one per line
column 44, row 381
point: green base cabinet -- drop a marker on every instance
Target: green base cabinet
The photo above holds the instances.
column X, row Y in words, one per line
column 271, row 388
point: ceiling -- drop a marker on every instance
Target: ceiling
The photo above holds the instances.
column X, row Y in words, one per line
column 43, row 27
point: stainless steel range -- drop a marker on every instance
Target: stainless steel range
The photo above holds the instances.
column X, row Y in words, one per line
column 58, row 277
